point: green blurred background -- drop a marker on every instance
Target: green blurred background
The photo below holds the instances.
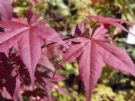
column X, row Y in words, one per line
column 113, row 85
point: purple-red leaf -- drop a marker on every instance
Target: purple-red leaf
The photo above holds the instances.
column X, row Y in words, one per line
column 92, row 53
column 112, row 21
column 28, row 36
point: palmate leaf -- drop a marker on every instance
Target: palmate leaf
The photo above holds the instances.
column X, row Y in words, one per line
column 5, row 9
column 111, row 21
column 8, row 74
column 28, row 35
column 47, row 82
column 13, row 73
column 92, row 53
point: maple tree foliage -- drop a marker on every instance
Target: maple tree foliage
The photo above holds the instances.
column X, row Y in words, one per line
column 93, row 50
column 29, row 36
column 13, row 72
column 30, row 48
column 114, row 22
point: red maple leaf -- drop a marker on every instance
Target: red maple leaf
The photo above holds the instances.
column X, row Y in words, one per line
column 92, row 53
column 8, row 75
column 29, row 36
column 5, row 9
column 111, row 21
